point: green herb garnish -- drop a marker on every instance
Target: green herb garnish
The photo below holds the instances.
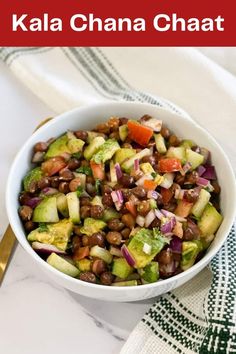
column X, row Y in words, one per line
column 85, row 170
column 77, row 155
column 98, row 186
column 154, row 174
column 79, row 191
column 42, row 227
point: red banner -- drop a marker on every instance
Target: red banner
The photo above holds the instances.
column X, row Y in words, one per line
column 120, row 23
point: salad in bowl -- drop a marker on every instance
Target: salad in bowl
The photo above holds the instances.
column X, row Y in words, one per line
column 127, row 203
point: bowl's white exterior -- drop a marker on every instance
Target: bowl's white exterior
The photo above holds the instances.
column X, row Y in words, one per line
column 85, row 118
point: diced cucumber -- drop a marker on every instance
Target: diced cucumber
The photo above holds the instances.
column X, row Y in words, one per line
column 123, row 132
column 74, row 207
column 56, row 234
column 84, row 265
column 110, row 214
column 93, row 147
column 91, row 136
column 46, row 211
column 153, row 203
column 62, row 205
column 190, row 251
column 62, row 265
column 147, row 168
column 97, row 200
column 121, row 268
column 75, row 145
column 125, row 283
column 106, row 151
column 123, row 154
column 194, row 158
column 210, row 221
column 201, row 203
column 151, row 272
column 160, row 143
column 113, row 175
column 101, row 253
column 177, row 152
column 92, row 225
column 127, row 165
column 58, row 147
column 32, row 176
column 187, row 144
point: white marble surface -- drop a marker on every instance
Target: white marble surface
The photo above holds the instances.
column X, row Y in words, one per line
column 37, row 316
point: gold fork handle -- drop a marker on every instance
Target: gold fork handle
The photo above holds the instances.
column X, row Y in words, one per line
column 8, row 240
column 6, row 246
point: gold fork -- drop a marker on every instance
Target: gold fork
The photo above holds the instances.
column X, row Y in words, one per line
column 9, row 239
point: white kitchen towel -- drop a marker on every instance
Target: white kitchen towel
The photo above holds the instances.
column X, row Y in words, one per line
column 200, row 316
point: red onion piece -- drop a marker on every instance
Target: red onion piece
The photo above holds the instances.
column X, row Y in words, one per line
column 49, row 191
column 44, row 249
column 114, row 196
column 129, row 258
column 33, row 202
column 150, row 217
column 120, row 196
column 186, row 168
column 176, row 244
column 168, row 214
column 201, row 169
column 118, row 171
column 136, row 164
column 153, row 195
column 168, row 226
column 140, row 220
column 209, row 173
column 202, row 182
column 159, row 214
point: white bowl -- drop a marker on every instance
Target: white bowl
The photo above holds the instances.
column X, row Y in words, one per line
column 85, row 118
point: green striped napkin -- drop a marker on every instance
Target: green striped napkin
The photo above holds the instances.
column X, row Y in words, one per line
column 200, row 316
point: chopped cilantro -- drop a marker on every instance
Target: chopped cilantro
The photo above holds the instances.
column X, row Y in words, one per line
column 42, row 227
column 97, row 186
column 154, row 174
column 77, row 155
column 79, row 191
column 85, row 169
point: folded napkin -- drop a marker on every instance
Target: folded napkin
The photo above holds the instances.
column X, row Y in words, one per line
column 200, row 316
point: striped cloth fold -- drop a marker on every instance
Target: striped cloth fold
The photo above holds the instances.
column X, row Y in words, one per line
column 200, row 316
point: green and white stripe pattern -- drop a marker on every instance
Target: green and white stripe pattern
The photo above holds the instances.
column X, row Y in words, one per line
column 200, row 316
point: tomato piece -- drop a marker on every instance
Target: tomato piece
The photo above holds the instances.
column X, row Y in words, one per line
column 166, row 194
column 97, row 170
column 149, row 184
column 170, row 165
column 131, row 207
column 139, row 133
column 81, row 253
column 183, row 208
column 53, row 165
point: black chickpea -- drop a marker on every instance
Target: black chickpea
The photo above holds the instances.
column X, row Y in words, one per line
column 30, row 225
column 66, row 175
column 44, row 182
column 114, row 238
column 139, row 192
column 115, row 224
column 97, row 238
column 55, row 180
column 106, row 278
column 125, row 233
column 64, row 187
column 24, row 198
column 81, row 134
column 25, row 212
column 126, row 181
column 85, row 211
column 96, row 211
column 84, row 201
column 107, row 200
column 165, row 132
column 89, row 277
column 99, row 266
column 74, row 184
column 128, row 220
column 40, row 147
column 73, row 163
column 143, row 207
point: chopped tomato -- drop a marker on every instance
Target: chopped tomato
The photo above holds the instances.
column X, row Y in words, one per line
column 166, row 194
column 53, row 165
column 81, row 253
column 170, row 165
column 150, row 185
column 97, row 170
column 183, row 208
column 131, row 207
column 139, row 133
